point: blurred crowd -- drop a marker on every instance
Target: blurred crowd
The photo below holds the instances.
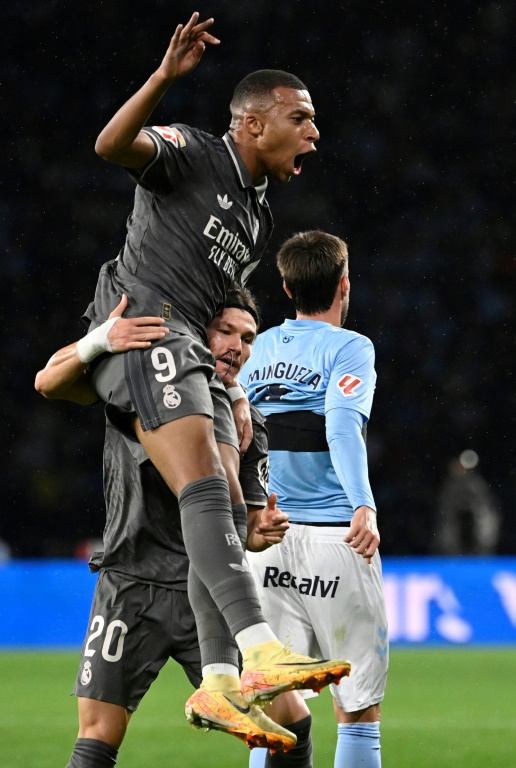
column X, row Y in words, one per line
column 415, row 170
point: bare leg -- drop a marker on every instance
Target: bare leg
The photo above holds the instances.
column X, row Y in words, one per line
column 102, row 728
column 103, row 721
column 287, row 708
column 367, row 715
column 231, row 463
column 182, row 451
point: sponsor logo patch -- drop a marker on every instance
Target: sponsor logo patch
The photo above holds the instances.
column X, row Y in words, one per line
column 349, row 384
column 170, row 134
column 313, row 586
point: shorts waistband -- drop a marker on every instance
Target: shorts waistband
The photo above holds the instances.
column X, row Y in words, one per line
column 342, row 524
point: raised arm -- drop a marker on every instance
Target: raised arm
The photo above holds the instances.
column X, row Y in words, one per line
column 122, row 140
column 63, row 377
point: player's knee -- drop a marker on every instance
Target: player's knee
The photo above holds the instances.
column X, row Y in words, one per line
column 102, row 721
column 367, row 715
column 288, row 708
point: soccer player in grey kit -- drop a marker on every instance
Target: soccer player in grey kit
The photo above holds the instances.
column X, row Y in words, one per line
column 200, row 219
column 140, row 614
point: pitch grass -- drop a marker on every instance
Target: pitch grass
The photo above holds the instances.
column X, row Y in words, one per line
column 454, row 708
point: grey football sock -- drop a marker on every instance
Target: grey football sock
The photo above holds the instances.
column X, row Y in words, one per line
column 215, row 552
column 92, row 753
column 215, row 640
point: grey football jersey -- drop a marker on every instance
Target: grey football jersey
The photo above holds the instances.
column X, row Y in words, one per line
column 197, row 223
column 142, row 536
column 254, row 464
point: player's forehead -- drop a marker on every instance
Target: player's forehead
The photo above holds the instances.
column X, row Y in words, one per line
column 293, row 100
column 235, row 320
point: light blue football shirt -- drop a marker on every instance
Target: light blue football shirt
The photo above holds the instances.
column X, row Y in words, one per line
column 312, row 366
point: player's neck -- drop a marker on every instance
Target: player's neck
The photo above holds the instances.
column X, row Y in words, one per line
column 247, row 152
column 331, row 316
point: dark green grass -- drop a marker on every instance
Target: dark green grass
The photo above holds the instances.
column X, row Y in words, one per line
column 452, row 708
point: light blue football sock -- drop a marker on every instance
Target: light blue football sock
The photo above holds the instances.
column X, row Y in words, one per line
column 257, row 757
column 358, row 746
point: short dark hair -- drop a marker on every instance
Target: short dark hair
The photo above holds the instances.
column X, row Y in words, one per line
column 311, row 265
column 261, row 83
column 242, row 298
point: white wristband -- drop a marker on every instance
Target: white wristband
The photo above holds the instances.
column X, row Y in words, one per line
column 236, row 392
column 95, row 342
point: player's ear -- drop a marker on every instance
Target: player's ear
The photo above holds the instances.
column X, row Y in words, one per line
column 253, row 124
column 344, row 285
column 286, row 289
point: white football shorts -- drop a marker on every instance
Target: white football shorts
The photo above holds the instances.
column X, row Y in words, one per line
column 324, row 600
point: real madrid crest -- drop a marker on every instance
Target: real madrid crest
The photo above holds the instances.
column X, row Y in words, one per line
column 86, row 673
column 171, row 398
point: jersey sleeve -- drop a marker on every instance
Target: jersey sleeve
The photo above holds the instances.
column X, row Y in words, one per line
column 243, row 275
column 178, row 156
column 348, row 403
column 353, row 378
column 254, row 466
column 349, row 455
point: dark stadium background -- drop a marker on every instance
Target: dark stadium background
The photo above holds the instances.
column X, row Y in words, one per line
column 415, row 170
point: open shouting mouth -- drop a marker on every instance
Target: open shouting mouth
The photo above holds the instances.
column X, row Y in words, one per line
column 299, row 160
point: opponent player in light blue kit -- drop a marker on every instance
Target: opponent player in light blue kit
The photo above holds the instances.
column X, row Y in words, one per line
column 322, row 588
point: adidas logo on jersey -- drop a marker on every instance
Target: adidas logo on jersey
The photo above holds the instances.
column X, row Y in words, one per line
column 315, row 587
column 224, row 202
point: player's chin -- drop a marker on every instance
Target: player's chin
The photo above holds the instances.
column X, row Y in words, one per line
column 227, row 372
column 284, row 175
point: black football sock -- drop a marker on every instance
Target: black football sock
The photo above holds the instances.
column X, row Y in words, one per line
column 215, row 552
column 91, row 753
column 299, row 756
